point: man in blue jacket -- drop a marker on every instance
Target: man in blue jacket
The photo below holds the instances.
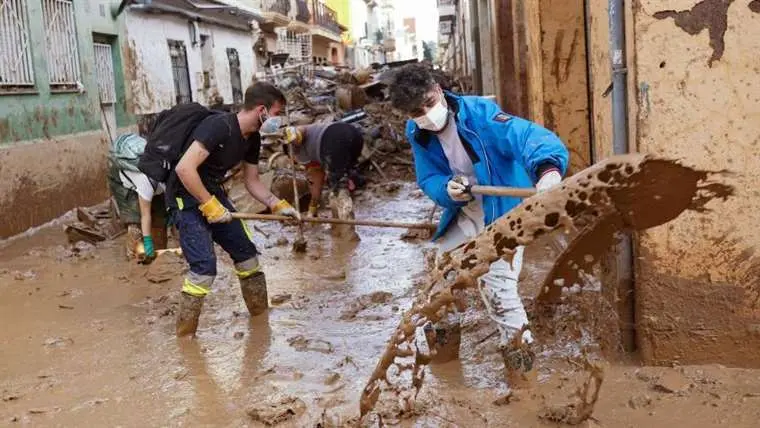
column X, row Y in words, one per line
column 460, row 140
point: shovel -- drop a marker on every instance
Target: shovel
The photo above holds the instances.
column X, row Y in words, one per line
column 516, row 192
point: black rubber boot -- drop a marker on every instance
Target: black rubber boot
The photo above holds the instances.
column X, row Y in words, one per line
column 187, row 317
column 444, row 337
column 519, row 366
column 254, row 289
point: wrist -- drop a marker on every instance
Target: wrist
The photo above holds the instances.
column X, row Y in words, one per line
column 546, row 168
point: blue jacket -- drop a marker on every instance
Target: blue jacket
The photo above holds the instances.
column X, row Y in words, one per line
column 506, row 151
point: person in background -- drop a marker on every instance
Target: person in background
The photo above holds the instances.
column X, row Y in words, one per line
column 459, row 141
column 325, row 149
column 136, row 199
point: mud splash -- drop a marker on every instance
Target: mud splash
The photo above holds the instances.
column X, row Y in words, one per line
column 623, row 193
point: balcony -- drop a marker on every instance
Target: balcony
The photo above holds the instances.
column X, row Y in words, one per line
column 447, row 7
column 325, row 22
column 302, row 17
column 275, row 11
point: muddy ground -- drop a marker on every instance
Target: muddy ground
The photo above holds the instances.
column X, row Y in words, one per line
column 88, row 341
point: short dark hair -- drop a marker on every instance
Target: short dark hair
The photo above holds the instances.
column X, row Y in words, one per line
column 262, row 93
column 409, row 85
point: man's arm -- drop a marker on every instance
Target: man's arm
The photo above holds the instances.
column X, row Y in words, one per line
column 187, row 171
column 537, row 148
column 145, row 216
column 256, row 188
column 432, row 175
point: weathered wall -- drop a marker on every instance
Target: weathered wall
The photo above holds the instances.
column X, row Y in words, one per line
column 40, row 112
column 698, row 278
column 565, row 94
column 44, row 179
column 320, row 47
column 52, row 151
column 241, row 41
column 147, row 64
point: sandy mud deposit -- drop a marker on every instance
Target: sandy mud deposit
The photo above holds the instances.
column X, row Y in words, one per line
column 624, row 193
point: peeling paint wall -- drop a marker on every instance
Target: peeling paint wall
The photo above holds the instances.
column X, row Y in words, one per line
column 565, row 82
column 42, row 180
column 148, row 68
column 242, row 42
column 52, row 148
column 698, row 278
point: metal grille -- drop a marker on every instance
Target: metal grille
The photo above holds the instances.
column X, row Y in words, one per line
column 180, row 71
column 15, row 54
column 104, row 73
column 298, row 46
column 61, row 42
column 235, row 79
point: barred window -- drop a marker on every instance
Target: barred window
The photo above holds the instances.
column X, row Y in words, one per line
column 61, row 43
column 16, row 69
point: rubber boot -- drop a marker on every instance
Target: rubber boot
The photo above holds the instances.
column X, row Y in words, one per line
column 189, row 312
column 519, row 366
column 254, row 289
column 444, row 338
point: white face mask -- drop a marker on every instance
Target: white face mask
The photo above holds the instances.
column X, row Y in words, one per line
column 271, row 125
column 435, row 119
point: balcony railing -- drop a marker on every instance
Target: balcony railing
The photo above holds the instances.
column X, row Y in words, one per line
column 277, row 6
column 325, row 17
column 303, row 13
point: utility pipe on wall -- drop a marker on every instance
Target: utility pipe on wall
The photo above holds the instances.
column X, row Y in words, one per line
column 620, row 145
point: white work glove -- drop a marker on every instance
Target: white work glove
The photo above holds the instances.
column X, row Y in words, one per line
column 457, row 189
column 548, row 180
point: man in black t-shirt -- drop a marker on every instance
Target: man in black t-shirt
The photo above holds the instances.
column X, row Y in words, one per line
column 202, row 208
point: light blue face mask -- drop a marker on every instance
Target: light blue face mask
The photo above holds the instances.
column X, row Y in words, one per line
column 272, row 125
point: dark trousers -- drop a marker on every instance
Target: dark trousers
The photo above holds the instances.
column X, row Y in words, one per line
column 339, row 153
column 197, row 237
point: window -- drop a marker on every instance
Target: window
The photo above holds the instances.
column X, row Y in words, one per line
column 16, row 68
column 61, row 43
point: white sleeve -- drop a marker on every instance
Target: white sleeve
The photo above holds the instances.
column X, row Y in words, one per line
column 142, row 184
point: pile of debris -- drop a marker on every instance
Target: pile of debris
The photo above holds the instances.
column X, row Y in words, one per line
column 94, row 225
column 359, row 97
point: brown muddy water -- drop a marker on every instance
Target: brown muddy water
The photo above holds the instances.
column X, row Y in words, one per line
column 88, row 340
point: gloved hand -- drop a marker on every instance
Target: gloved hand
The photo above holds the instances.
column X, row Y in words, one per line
column 215, row 212
column 550, row 179
column 284, row 208
column 292, row 135
column 457, row 189
column 149, row 253
column 313, row 209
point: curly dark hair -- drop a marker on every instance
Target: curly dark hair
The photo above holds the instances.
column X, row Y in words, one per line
column 409, row 85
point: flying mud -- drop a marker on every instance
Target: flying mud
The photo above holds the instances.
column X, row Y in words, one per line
column 621, row 194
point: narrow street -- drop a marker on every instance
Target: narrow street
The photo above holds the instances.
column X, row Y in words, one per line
column 90, row 342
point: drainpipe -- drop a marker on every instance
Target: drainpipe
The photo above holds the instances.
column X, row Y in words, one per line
column 620, row 145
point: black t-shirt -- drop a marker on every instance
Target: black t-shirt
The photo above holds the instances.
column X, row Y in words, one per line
column 220, row 134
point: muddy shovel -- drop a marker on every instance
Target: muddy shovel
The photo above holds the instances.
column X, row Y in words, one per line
column 299, row 245
column 516, row 192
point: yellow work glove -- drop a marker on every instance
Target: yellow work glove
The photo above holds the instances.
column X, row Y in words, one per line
column 215, row 212
column 284, row 208
column 291, row 134
column 313, row 208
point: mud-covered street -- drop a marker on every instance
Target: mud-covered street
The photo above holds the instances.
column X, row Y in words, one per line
column 89, row 341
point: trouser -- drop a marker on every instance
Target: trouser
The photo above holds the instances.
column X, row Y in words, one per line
column 197, row 237
column 497, row 287
column 339, row 152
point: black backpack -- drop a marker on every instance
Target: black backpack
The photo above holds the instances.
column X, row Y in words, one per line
column 169, row 138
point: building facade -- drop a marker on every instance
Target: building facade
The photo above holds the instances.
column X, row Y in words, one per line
column 678, row 81
column 177, row 51
column 62, row 97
